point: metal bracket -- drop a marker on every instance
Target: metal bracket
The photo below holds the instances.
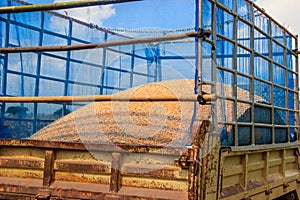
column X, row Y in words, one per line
column 204, row 33
column 201, row 100
column 184, row 161
column 296, row 51
column 205, row 98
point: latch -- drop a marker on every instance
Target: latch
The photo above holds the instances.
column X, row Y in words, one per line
column 186, row 160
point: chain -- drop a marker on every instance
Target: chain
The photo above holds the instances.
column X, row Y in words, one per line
column 93, row 26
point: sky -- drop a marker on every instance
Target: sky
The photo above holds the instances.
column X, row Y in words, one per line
column 134, row 14
column 176, row 14
column 285, row 12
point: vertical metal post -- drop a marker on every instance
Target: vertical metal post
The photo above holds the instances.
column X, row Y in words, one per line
column 148, row 70
column 214, row 69
column 48, row 167
column 235, row 95
column 120, row 67
column 192, row 194
column 67, row 75
column 201, row 191
column 286, row 85
column 297, row 88
column 156, row 63
column 132, row 66
column 38, row 73
column 5, row 64
column 103, row 65
column 158, row 67
column 199, row 47
column 269, row 25
column 252, row 88
column 115, row 173
column 1, row 45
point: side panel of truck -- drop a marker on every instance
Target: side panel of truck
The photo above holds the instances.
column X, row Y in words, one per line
column 44, row 170
column 259, row 174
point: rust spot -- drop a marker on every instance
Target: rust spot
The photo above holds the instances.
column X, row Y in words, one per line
column 200, row 132
column 112, row 197
column 254, row 184
column 43, row 194
column 48, row 167
column 80, row 166
column 154, row 171
column 92, row 146
column 268, row 192
column 232, row 190
column 84, row 178
column 24, row 163
column 115, row 173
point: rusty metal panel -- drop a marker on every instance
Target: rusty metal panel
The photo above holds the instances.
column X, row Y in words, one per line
column 24, row 163
column 25, row 186
column 154, row 171
column 21, row 173
column 155, row 184
column 259, row 174
column 80, row 166
column 20, row 151
column 77, row 177
column 92, row 147
column 142, row 193
column 9, row 196
column 155, row 177
column 59, row 172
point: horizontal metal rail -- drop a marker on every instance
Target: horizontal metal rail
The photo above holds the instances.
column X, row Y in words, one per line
column 100, row 44
column 98, row 98
column 79, row 146
column 59, row 5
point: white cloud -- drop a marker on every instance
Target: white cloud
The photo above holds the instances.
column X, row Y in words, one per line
column 92, row 14
column 285, row 12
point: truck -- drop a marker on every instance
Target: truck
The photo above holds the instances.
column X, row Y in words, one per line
column 33, row 169
column 248, row 148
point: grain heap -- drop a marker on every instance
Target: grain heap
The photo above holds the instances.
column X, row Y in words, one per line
column 141, row 123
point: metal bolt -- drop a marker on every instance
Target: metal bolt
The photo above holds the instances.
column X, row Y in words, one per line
column 286, row 185
column 268, row 192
